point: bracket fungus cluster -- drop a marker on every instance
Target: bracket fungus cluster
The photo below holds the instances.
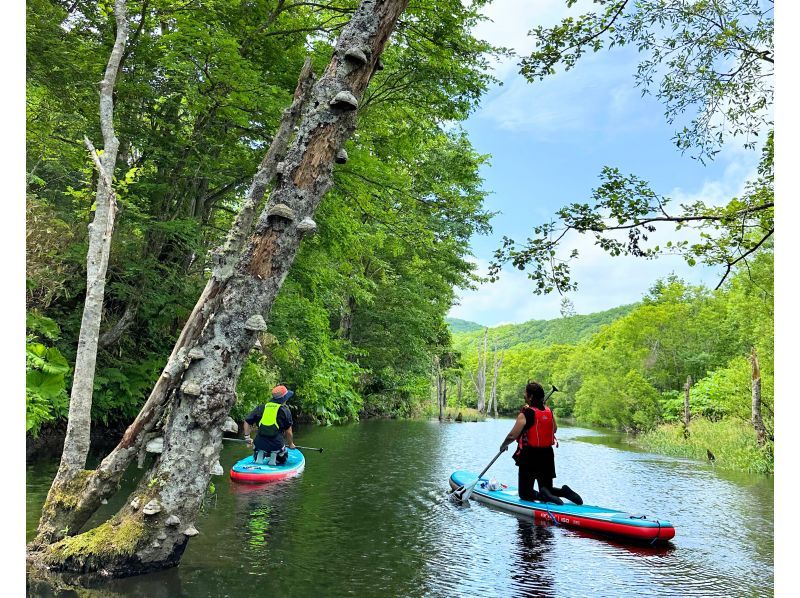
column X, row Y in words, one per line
column 191, row 389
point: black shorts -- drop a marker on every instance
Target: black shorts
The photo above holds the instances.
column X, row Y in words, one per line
column 539, row 463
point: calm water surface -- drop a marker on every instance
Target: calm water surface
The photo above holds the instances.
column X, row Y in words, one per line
column 370, row 517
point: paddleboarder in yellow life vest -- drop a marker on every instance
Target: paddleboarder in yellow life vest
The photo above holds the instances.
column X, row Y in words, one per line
column 274, row 420
column 534, row 431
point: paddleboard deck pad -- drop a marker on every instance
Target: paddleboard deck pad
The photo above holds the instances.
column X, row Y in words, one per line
column 250, row 472
column 635, row 527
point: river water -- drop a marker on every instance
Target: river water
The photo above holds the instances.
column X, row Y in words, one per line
column 370, row 517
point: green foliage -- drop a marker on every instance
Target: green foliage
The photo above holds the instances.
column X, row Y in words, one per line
column 713, row 59
column 731, row 441
column 629, row 404
column 45, row 374
column 198, row 100
column 457, row 325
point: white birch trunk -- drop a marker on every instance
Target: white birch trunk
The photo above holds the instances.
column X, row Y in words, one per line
column 76, row 443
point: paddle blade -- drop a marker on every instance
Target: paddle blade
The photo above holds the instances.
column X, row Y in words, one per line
column 463, row 493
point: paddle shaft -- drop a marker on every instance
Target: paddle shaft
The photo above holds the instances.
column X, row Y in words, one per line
column 305, row 448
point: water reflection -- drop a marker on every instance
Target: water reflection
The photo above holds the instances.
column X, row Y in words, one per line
column 370, row 517
column 532, row 551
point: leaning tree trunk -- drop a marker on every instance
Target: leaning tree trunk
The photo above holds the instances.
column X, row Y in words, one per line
column 72, row 506
column 758, row 422
column 76, row 443
column 197, row 388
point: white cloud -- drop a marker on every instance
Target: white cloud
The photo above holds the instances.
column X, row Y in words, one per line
column 509, row 23
column 603, row 281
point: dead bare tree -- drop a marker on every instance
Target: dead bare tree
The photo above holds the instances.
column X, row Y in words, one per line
column 758, row 422
column 686, row 414
column 196, row 389
column 479, row 379
column 497, row 362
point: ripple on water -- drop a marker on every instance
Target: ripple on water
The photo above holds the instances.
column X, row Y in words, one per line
column 371, row 517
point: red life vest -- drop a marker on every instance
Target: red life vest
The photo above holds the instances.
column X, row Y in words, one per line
column 541, row 433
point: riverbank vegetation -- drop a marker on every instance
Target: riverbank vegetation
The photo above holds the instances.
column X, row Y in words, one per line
column 631, row 369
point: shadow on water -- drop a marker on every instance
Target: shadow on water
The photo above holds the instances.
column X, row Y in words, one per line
column 371, row 517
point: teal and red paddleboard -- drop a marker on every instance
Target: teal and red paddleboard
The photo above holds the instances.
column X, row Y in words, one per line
column 586, row 517
column 250, row 472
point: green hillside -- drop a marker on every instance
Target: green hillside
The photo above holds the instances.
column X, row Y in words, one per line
column 564, row 331
column 458, row 326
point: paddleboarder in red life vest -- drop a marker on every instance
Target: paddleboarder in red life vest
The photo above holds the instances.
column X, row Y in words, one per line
column 274, row 420
column 534, row 431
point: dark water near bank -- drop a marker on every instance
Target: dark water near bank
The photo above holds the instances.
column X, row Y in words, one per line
column 370, row 517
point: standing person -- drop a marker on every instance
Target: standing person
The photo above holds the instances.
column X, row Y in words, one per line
column 274, row 419
column 534, row 430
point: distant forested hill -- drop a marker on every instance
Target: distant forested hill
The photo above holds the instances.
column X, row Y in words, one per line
column 457, row 326
column 561, row 331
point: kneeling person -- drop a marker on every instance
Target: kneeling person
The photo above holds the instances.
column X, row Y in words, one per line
column 274, row 419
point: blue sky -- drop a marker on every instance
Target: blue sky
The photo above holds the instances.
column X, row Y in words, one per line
column 549, row 141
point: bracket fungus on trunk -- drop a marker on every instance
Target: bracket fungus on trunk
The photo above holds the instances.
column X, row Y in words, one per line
column 155, row 446
column 190, row 531
column 230, row 425
column 152, row 507
column 256, row 323
column 341, row 156
column 191, row 389
column 307, row 226
column 279, row 216
column 344, row 100
column 196, row 353
column 356, row 55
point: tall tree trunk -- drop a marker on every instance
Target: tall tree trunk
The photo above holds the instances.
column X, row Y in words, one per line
column 76, row 442
column 497, row 362
column 197, row 388
column 59, row 518
column 459, row 382
column 437, row 377
column 686, row 413
column 479, row 379
column 346, row 320
column 443, row 400
column 758, row 423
